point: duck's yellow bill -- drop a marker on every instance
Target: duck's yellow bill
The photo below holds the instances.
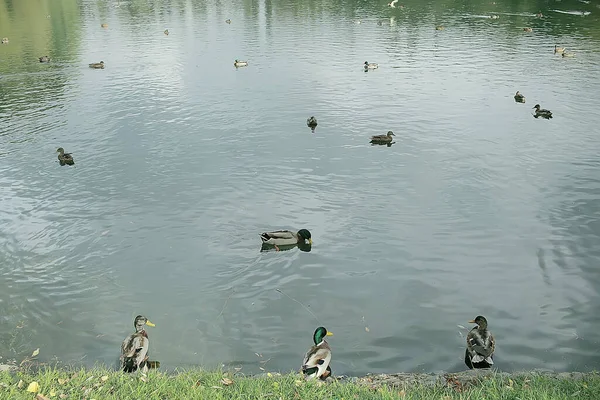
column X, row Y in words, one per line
column 472, row 321
column 329, row 333
column 309, row 241
column 149, row 323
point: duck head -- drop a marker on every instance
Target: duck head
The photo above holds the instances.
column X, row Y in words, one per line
column 480, row 321
column 537, row 107
column 320, row 334
column 140, row 321
column 390, row 134
column 305, row 235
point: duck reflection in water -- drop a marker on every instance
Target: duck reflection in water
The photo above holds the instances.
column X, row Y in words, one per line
column 285, row 247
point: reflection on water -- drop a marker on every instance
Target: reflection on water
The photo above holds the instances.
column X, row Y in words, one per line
column 182, row 161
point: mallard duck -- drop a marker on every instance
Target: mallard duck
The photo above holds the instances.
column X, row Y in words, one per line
column 166, row 32
column 4, row 40
column 44, row 59
column 558, row 49
column 539, row 15
column 528, row 29
column 99, row 65
column 439, row 28
column 382, row 138
column 134, row 349
column 567, row 54
column 540, row 112
column 104, row 25
column 371, row 65
column 480, row 345
column 519, row 98
column 238, row 63
column 311, row 123
column 494, row 16
column 393, row 3
column 228, row 21
column 286, row 237
column 317, row 358
column 64, row 158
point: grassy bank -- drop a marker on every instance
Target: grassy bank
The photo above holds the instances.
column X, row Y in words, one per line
column 102, row 384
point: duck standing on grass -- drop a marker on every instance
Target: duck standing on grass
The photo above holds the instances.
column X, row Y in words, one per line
column 64, row 158
column 134, row 349
column 480, row 345
column 311, row 123
column 541, row 112
column 284, row 238
column 519, row 98
column 317, row 359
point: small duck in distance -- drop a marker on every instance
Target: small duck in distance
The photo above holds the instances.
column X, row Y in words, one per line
column 559, row 49
column 238, row 63
column 439, row 28
column 382, row 138
column 369, row 65
column 99, row 65
column 44, row 59
column 311, row 123
column 64, row 158
column 567, row 54
column 541, row 112
column 166, row 32
column 494, row 16
column 228, row 21
column 4, row 40
column 317, row 359
column 528, row 29
column 284, row 238
column 393, row 3
column 539, row 15
column 480, row 345
column 104, row 25
column 519, row 98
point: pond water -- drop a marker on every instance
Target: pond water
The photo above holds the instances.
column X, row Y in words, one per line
column 181, row 161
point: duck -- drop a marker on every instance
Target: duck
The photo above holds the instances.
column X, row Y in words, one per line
column 284, row 237
column 393, row 3
column 559, row 49
column 238, row 63
column 317, row 359
column 64, row 158
column 382, row 138
column 480, row 345
column 494, row 16
column 540, row 112
column 104, row 25
column 311, row 123
column 99, row 65
column 166, row 32
column 4, row 40
column 228, row 21
column 528, row 29
column 44, row 59
column 539, row 15
column 439, row 28
column 134, row 349
column 567, row 54
column 369, row 65
column 519, row 98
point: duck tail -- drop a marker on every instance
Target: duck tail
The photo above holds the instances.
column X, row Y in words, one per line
column 129, row 365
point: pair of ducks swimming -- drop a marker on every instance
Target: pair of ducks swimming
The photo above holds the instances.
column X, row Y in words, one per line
column 539, row 112
column 316, row 363
column 377, row 139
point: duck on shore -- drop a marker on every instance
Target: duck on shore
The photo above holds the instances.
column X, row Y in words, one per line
column 480, row 345
column 134, row 349
column 317, row 359
column 99, row 65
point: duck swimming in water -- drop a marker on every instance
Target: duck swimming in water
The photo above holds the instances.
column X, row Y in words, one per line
column 44, row 59
column 370, row 65
column 64, row 158
column 311, row 123
column 480, row 345
column 99, row 65
column 317, row 359
column 558, row 49
column 283, row 237
column 541, row 112
column 519, row 98
column 238, row 63
column 382, row 138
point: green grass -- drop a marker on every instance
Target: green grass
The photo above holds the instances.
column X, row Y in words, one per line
column 102, row 384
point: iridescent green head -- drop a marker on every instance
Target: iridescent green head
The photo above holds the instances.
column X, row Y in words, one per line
column 305, row 234
column 320, row 334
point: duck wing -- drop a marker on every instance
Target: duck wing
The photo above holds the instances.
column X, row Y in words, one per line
column 481, row 346
column 317, row 359
column 133, row 352
column 277, row 235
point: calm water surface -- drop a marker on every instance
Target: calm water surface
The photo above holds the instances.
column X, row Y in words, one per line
column 182, row 160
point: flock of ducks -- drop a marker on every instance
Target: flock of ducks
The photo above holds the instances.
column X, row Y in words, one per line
column 316, row 363
column 539, row 112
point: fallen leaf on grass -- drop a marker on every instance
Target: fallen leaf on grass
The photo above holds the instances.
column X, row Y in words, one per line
column 41, row 397
column 104, row 378
column 33, row 387
column 62, row 381
column 402, row 393
column 216, row 387
column 20, row 384
column 52, row 393
column 35, row 352
column 226, row 381
column 62, row 396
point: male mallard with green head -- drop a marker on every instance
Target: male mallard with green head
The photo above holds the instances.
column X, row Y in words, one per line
column 541, row 112
column 317, row 359
column 134, row 349
column 480, row 345
column 283, row 238
column 519, row 98
column 238, row 63
column 369, row 65
column 64, row 158
column 99, row 65
column 311, row 123
column 382, row 138
column 44, row 59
